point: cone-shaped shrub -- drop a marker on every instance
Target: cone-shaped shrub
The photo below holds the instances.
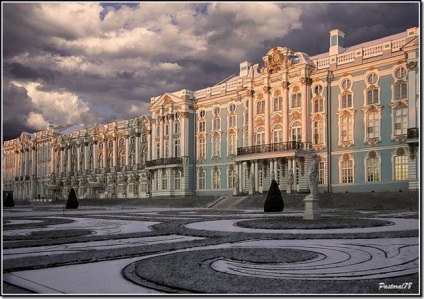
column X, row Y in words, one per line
column 274, row 200
column 72, row 202
column 8, row 201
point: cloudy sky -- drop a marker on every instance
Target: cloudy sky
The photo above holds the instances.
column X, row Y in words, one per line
column 96, row 62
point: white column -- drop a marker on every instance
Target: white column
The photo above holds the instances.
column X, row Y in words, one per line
column 276, row 170
column 114, row 153
column 285, row 111
column 69, row 158
column 162, row 141
column 153, row 140
column 27, row 161
column 95, row 156
column 52, row 158
column 271, row 170
column 78, row 158
column 250, row 127
column 86, row 156
column 256, row 176
column 171, row 137
column 61, row 161
column 150, row 147
column 305, row 123
column 294, row 174
column 267, row 116
column 184, row 134
column 105, row 154
column 137, row 149
column 34, row 162
column 127, row 139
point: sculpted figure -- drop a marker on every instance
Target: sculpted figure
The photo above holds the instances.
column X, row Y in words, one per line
column 313, row 177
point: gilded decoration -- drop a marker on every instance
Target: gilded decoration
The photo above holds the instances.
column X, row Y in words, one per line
column 296, row 88
column 317, row 147
column 400, row 151
column 249, row 93
column 276, row 61
column 399, row 104
column 372, row 68
column 411, row 65
column 345, row 113
column 295, row 115
column 346, row 143
column 277, row 93
column 259, row 122
column 266, row 89
column 345, row 75
column 185, row 114
column 256, row 84
column 372, row 155
column 317, row 117
column 372, row 141
column 276, row 79
column 285, row 84
column 260, row 96
column 346, row 157
column 167, row 99
column 277, row 119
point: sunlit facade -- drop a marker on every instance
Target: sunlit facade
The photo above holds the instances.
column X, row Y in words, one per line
column 356, row 107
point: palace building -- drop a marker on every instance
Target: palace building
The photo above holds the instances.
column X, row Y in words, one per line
column 356, row 107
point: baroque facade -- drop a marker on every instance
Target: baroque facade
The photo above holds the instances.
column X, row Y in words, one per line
column 357, row 108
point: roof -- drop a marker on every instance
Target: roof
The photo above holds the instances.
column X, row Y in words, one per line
column 71, row 129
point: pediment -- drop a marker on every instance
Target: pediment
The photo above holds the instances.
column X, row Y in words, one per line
column 165, row 99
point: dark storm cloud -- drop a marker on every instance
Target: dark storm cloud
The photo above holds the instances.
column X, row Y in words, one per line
column 19, row 71
column 16, row 107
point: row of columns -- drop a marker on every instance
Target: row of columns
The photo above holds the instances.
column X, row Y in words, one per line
column 285, row 123
column 273, row 173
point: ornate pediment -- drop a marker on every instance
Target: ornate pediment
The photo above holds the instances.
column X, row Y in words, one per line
column 277, row 59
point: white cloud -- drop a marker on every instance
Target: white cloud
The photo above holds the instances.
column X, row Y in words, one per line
column 60, row 107
column 36, row 121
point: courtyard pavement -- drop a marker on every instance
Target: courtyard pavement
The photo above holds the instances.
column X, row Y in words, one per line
column 139, row 251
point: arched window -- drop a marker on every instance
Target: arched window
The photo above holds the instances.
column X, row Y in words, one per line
column 372, row 166
column 177, row 180
column 400, row 162
column 346, row 169
column 177, row 151
column 216, row 178
column 232, row 144
column 277, row 134
column 260, row 136
column 202, row 179
column 216, row 146
column 232, row 177
column 121, row 159
column 296, row 132
column 202, row 148
column 131, row 159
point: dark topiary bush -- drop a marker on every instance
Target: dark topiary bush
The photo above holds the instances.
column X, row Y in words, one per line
column 72, row 202
column 274, row 200
column 9, row 202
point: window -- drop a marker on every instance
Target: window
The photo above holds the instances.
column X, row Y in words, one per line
column 296, row 100
column 372, row 96
column 166, row 149
column 157, row 150
column 321, row 172
column 177, row 127
column 232, row 108
column 132, row 140
column 202, row 179
column 347, row 171
column 318, row 131
column 177, row 147
column 232, row 121
column 346, row 84
column 318, row 89
column 232, row 144
column 277, row 134
column 177, row 180
column 373, row 125
column 202, row 126
column 216, row 111
column 346, row 130
column 217, row 124
column 278, row 103
column 164, row 180
column 120, row 142
column 232, row 177
column 400, row 121
column 216, row 146
column 202, row 148
column 318, row 104
column 121, row 158
column 296, row 132
column 202, row 113
column 373, row 167
column 401, row 167
column 400, row 73
column 260, row 107
column 101, row 164
column 400, row 89
column 346, row 100
column 260, row 136
column 216, row 178
column 132, row 157
column 166, row 129
column 372, row 78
